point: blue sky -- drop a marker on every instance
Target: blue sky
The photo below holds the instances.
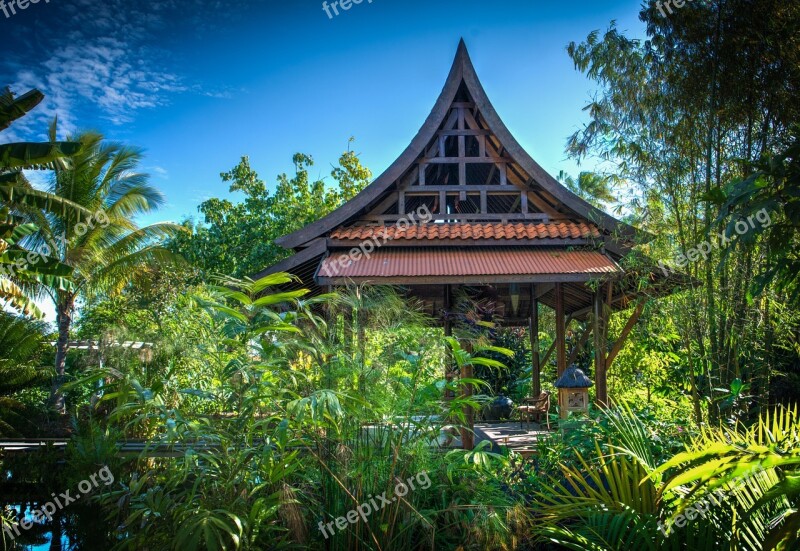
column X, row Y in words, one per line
column 199, row 83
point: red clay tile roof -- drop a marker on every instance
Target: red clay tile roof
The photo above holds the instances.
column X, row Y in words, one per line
column 475, row 231
column 472, row 261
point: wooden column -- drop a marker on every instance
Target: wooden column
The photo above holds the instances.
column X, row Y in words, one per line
column 536, row 367
column 467, row 431
column 598, row 323
column 332, row 320
column 361, row 320
column 561, row 331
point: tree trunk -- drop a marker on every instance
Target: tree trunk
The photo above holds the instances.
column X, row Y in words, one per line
column 64, row 309
column 711, row 310
column 698, row 412
column 57, row 533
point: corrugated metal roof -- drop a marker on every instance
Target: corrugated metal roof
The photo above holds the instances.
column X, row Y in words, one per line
column 522, row 230
column 403, row 262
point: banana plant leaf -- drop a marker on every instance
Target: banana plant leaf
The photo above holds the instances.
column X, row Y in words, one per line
column 35, row 264
column 27, row 196
column 12, row 108
column 36, row 156
column 13, row 233
column 17, row 299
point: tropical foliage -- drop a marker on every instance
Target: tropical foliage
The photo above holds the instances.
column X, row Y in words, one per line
column 22, row 348
column 106, row 249
column 729, row 489
column 18, row 198
column 295, row 423
column 681, row 118
column 238, row 238
column 243, row 411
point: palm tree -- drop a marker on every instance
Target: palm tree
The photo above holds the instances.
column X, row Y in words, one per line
column 597, row 189
column 107, row 249
column 20, row 202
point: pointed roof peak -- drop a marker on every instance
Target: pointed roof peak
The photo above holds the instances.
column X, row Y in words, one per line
column 461, row 73
column 462, row 54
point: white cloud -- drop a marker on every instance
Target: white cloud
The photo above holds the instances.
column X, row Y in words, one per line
column 161, row 172
column 107, row 61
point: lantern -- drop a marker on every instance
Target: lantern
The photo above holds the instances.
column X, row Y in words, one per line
column 573, row 391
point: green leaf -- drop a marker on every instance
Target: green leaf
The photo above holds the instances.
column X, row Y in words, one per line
column 33, row 156
column 278, row 298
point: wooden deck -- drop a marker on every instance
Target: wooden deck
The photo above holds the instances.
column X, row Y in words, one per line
column 12, row 445
column 510, row 435
column 131, row 448
column 506, row 434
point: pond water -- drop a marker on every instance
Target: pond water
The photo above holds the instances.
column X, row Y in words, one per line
column 38, row 517
column 41, row 535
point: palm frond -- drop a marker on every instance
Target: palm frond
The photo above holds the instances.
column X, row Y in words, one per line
column 630, row 434
column 112, row 247
column 21, row 346
column 130, row 195
column 756, row 469
column 115, row 275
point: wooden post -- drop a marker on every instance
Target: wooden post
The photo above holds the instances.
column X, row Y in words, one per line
column 536, row 367
column 332, row 320
column 467, row 431
column 361, row 320
column 561, row 331
column 600, row 382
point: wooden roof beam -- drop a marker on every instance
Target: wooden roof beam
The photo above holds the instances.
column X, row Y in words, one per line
column 464, row 132
column 464, row 159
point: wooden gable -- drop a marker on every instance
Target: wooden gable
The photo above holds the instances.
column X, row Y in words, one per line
column 464, row 166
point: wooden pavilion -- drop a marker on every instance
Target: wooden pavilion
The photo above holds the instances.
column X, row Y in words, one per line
column 466, row 206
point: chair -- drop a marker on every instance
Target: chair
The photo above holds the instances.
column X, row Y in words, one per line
column 539, row 405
